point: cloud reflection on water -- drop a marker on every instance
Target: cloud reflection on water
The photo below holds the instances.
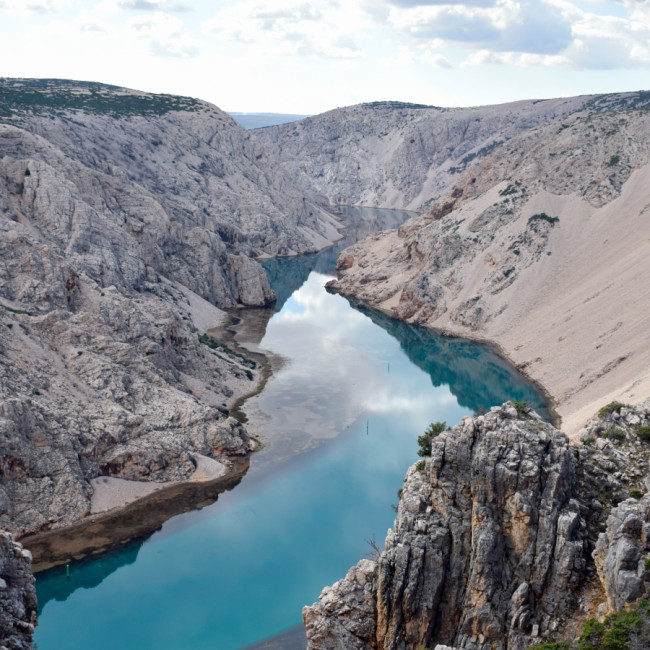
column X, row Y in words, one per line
column 361, row 370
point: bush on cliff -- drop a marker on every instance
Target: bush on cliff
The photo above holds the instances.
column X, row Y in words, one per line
column 424, row 441
column 628, row 630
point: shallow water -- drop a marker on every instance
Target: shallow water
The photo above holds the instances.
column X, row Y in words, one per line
column 339, row 418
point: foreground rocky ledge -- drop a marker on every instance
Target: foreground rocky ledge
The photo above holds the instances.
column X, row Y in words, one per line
column 17, row 595
column 496, row 542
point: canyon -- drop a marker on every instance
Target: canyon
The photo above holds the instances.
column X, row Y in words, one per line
column 131, row 221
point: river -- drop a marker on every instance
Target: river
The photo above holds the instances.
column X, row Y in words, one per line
column 339, row 418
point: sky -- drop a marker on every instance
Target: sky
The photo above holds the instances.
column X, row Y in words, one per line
column 298, row 56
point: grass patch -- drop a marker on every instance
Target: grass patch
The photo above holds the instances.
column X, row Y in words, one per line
column 625, row 630
column 521, row 408
column 513, row 188
column 618, row 631
column 13, row 311
column 213, row 344
column 614, row 434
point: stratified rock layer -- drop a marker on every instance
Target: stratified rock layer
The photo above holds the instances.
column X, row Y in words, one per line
column 492, row 543
column 17, row 596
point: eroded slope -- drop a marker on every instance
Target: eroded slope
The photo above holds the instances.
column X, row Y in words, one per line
column 542, row 247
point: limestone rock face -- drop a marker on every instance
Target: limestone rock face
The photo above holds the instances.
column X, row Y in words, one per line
column 346, row 615
column 624, row 546
column 397, row 155
column 126, row 219
column 621, row 552
column 17, row 595
column 492, row 545
column 488, row 540
column 175, row 189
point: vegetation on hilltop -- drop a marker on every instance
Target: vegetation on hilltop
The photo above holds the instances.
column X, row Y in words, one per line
column 397, row 105
column 52, row 95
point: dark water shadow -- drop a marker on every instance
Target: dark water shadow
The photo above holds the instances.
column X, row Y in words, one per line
column 103, row 543
column 287, row 274
column 56, row 584
column 294, row 638
column 477, row 376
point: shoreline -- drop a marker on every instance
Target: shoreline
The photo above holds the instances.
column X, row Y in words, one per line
column 225, row 333
column 136, row 520
column 549, row 399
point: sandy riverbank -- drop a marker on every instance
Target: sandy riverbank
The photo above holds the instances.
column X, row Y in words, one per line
column 110, row 492
column 128, row 521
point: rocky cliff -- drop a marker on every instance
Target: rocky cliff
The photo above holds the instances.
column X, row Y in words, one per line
column 496, row 542
column 540, row 246
column 399, row 155
column 17, row 596
column 126, row 219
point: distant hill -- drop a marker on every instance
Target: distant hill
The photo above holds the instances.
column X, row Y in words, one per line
column 259, row 120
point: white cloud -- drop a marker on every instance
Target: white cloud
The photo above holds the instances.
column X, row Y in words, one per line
column 323, row 29
column 429, row 3
column 34, row 6
column 487, row 57
column 544, row 33
column 165, row 34
column 152, row 5
column 91, row 27
column 507, row 26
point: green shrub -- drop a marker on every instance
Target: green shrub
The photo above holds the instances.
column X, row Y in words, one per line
column 52, row 96
column 614, row 434
column 424, row 441
column 589, row 441
column 522, row 407
column 616, row 631
column 562, row 645
column 610, row 408
column 643, row 433
column 420, row 465
column 213, row 344
column 636, row 494
column 613, row 161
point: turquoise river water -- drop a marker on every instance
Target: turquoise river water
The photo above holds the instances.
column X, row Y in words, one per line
column 350, row 393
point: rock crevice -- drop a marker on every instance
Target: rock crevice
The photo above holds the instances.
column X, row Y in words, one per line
column 492, row 545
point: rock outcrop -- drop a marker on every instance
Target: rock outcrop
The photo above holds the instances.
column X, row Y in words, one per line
column 493, row 541
column 400, row 155
column 540, row 248
column 126, row 219
column 17, row 596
